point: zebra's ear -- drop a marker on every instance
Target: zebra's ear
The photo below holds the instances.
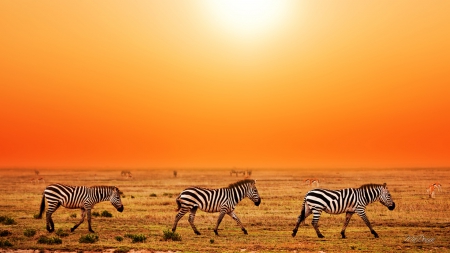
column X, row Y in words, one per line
column 384, row 185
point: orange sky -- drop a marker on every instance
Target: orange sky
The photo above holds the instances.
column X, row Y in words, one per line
column 171, row 84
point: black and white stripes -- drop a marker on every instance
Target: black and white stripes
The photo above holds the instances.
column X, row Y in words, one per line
column 221, row 200
column 82, row 197
column 349, row 201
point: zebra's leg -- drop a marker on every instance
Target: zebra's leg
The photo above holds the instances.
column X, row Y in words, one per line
column 48, row 216
column 306, row 211
column 348, row 216
column 179, row 215
column 191, row 219
column 83, row 214
column 315, row 222
column 362, row 214
column 234, row 216
column 89, row 220
column 219, row 220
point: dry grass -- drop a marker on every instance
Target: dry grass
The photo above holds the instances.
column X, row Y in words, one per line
column 151, row 211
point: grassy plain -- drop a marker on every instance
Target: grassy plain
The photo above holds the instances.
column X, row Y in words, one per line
column 150, row 209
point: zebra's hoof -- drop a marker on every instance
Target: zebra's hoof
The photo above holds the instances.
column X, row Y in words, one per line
column 294, row 232
column 215, row 232
column 320, row 236
column 92, row 231
column 72, row 229
column 245, row 231
column 197, row 233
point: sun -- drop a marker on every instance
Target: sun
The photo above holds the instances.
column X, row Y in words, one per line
column 248, row 17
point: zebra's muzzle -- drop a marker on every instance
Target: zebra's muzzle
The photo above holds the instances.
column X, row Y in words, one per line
column 120, row 209
column 258, row 202
column 392, row 207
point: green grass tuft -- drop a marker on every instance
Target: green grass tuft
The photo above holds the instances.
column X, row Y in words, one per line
column 49, row 240
column 5, row 243
column 29, row 232
column 5, row 220
column 169, row 235
column 4, row 233
column 89, row 238
column 61, row 233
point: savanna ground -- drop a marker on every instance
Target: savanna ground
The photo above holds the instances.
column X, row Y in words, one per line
column 149, row 200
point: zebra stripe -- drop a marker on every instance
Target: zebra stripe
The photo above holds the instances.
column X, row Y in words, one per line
column 349, row 201
column 223, row 200
column 73, row 197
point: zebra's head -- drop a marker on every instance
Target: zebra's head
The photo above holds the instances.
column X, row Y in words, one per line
column 115, row 199
column 385, row 198
column 252, row 193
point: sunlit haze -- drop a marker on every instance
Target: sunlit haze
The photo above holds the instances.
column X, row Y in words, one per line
column 222, row 84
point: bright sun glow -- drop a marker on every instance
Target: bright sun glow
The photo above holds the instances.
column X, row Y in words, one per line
column 249, row 17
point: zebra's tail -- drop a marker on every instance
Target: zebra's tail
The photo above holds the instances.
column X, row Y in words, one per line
column 42, row 206
column 302, row 213
column 178, row 204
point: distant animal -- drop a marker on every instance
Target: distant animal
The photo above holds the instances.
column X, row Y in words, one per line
column 349, row 201
column 221, row 200
column 237, row 172
column 33, row 180
column 41, row 180
column 74, row 197
column 431, row 189
column 311, row 181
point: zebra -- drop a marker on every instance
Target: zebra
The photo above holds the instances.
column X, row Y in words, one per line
column 221, row 200
column 349, row 201
column 73, row 197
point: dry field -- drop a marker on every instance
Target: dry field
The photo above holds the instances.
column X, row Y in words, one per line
column 149, row 200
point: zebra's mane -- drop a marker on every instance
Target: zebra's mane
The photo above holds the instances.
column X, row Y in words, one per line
column 242, row 182
column 370, row 186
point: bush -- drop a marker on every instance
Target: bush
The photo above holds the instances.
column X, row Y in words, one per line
column 73, row 215
column 4, row 233
column 119, row 238
column 106, row 214
column 5, row 243
column 36, row 216
column 169, row 235
column 136, row 238
column 49, row 240
column 7, row 220
column 89, row 238
column 95, row 214
column 29, row 232
column 122, row 250
column 61, row 233
column 153, row 195
column 170, row 195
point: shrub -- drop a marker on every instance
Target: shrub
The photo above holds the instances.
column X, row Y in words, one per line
column 170, row 195
column 49, row 240
column 5, row 243
column 29, row 232
column 132, row 196
column 153, row 195
column 89, row 238
column 7, row 220
column 61, row 233
column 122, row 250
column 36, row 216
column 4, row 233
column 169, row 235
column 73, row 215
column 136, row 238
column 95, row 214
column 119, row 238
column 106, row 214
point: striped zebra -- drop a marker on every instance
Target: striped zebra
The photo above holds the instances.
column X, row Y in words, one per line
column 221, row 200
column 349, row 201
column 73, row 197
